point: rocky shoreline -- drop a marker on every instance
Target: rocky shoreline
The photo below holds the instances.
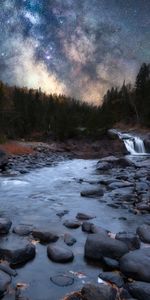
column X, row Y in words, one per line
column 31, row 155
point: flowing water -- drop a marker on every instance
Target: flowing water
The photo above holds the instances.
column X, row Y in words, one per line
column 35, row 198
column 134, row 144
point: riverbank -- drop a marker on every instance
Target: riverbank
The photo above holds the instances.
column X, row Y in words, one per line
column 24, row 156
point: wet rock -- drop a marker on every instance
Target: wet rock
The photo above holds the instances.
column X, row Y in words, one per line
column 113, row 278
column 62, row 213
column 4, row 283
column 136, row 264
column 87, row 227
column 140, row 290
column 98, row 246
column 113, row 205
column 69, row 239
column 143, row 207
column 91, row 228
column 131, row 240
column 144, row 233
column 62, row 280
column 5, row 225
column 22, row 230
column 110, row 263
column 98, row 292
column 72, row 224
column 45, row 236
column 92, row 193
column 125, row 162
column 17, row 255
column 82, row 216
column 60, row 254
column 5, row 268
column 103, row 166
column 117, row 184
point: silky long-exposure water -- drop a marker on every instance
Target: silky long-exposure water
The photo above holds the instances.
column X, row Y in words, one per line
column 35, row 199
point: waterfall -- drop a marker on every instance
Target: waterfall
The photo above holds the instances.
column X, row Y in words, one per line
column 134, row 144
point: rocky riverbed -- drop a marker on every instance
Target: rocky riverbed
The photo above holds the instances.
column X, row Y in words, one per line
column 75, row 225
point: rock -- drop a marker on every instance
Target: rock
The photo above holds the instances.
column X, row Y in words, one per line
column 92, row 193
column 103, row 166
column 91, row 228
column 82, row 216
column 87, row 227
column 98, row 246
column 59, row 253
column 112, row 277
column 136, row 264
column 62, row 213
column 17, row 256
column 45, row 236
column 72, row 224
column 4, row 283
column 5, row 268
column 22, row 230
column 140, row 290
column 119, row 184
column 125, row 162
column 144, row 233
column 143, row 207
column 147, row 144
column 98, row 292
column 69, row 239
column 62, row 280
column 131, row 240
column 110, row 263
column 3, row 159
column 5, row 225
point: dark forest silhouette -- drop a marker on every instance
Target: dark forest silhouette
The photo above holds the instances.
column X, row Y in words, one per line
column 26, row 112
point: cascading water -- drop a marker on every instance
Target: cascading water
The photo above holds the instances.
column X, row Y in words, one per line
column 134, row 144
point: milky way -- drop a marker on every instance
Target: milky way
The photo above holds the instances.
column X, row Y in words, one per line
column 75, row 47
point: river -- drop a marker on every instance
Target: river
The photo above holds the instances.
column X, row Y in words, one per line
column 35, row 198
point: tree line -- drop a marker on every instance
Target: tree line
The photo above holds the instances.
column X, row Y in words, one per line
column 28, row 112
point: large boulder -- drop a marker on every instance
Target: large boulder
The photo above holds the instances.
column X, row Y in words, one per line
column 17, row 255
column 140, row 290
column 59, row 253
column 144, row 233
column 130, row 239
column 3, row 159
column 98, row 246
column 98, row 292
column 136, row 264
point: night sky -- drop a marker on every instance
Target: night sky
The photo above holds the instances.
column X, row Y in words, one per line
column 76, row 47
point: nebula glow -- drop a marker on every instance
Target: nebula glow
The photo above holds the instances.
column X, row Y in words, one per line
column 74, row 47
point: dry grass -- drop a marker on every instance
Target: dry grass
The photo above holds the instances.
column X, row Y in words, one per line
column 16, row 148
